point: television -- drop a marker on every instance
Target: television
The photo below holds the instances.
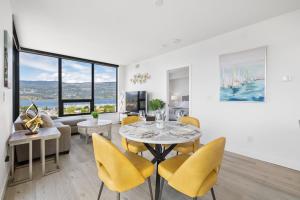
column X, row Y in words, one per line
column 136, row 101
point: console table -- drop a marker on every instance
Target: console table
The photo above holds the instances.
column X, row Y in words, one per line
column 19, row 137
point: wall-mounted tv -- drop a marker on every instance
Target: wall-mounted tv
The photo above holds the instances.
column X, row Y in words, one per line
column 136, row 101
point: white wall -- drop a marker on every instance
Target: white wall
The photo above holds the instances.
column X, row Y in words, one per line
column 267, row 131
column 5, row 94
column 121, row 86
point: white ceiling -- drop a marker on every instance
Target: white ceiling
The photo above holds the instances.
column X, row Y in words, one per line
column 127, row 31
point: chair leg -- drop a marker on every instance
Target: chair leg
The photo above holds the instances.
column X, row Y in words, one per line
column 177, row 153
column 100, row 191
column 213, row 193
column 118, row 196
column 161, row 188
column 150, row 188
column 142, row 154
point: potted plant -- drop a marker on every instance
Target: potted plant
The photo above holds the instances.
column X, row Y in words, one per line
column 156, row 104
column 95, row 116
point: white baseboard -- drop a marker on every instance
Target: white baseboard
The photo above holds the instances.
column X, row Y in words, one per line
column 2, row 194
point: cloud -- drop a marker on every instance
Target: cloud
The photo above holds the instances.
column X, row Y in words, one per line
column 109, row 69
column 48, row 77
column 72, row 71
column 75, row 77
column 105, row 77
column 38, row 62
column 82, row 67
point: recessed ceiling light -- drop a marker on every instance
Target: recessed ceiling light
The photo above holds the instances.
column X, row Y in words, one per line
column 159, row 2
column 176, row 41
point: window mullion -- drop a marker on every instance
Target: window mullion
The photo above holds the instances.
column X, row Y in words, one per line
column 93, row 89
column 60, row 103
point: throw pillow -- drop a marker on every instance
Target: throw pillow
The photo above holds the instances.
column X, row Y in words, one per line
column 47, row 121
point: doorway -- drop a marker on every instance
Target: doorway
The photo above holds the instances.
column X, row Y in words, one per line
column 178, row 92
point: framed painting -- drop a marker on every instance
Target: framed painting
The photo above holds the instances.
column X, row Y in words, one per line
column 5, row 67
column 243, row 76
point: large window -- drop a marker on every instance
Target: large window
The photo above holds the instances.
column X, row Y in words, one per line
column 105, row 88
column 76, row 108
column 62, row 85
column 38, row 82
column 76, row 80
column 76, row 87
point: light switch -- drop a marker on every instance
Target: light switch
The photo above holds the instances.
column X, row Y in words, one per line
column 249, row 139
column 287, row 78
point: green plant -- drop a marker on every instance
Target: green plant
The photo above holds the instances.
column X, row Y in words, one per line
column 70, row 110
column 109, row 108
column 156, row 104
column 95, row 115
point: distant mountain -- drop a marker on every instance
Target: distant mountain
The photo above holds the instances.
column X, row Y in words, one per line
column 38, row 90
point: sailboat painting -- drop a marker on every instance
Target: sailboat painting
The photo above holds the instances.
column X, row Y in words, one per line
column 243, row 76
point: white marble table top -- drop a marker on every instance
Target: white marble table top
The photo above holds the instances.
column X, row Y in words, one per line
column 172, row 133
column 94, row 124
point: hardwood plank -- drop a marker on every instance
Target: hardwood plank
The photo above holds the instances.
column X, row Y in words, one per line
column 241, row 178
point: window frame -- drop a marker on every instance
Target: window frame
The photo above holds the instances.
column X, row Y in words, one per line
column 15, row 75
column 61, row 101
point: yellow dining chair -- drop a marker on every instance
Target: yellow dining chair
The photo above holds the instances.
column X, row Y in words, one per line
column 129, row 145
column 194, row 175
column 117, row 171
column 189, row 147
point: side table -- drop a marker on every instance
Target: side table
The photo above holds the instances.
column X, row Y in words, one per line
column 49, row 134
column 19, row 137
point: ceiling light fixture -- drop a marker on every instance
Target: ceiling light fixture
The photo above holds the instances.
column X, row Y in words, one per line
column 176, row 41
column 171, row 43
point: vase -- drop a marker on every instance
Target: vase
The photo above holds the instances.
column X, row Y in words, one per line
column 95, row 120
column 159, row 119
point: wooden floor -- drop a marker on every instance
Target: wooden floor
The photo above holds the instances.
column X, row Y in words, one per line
column 241, row 178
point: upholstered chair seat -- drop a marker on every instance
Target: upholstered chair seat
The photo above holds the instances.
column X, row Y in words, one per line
column 129, row 145
column 120, row 172
column 189, row 147
column 194, row 175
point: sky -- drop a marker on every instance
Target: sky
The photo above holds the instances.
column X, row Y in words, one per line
column 43, row 68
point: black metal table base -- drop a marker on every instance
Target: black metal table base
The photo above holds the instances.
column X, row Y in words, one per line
column 159, row 156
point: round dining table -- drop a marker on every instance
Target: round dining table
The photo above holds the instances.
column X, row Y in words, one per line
column 154, row 135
